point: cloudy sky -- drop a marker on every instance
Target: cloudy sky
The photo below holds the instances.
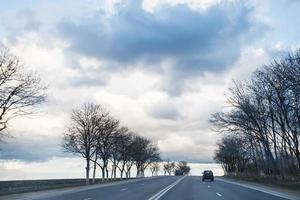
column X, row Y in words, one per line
column 160, row 66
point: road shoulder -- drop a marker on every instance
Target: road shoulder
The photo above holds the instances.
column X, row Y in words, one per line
column 276, row 191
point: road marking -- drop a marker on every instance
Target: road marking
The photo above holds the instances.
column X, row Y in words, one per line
column 165, row 190
column 208, row 186
column 87, row 199
column 218, row 194
column 124, row 189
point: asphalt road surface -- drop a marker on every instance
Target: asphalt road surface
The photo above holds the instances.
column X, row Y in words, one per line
column 167, row 188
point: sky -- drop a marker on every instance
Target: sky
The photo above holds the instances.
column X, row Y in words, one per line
column 162, row 67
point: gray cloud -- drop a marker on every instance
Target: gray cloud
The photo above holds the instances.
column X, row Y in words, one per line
column 164, row 111
column 194, row 41
column 39, row 148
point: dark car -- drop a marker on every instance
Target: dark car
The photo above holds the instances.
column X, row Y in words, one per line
column 208, row 174
column 178, row 173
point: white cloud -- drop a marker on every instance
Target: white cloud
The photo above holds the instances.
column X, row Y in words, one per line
column 150, row 5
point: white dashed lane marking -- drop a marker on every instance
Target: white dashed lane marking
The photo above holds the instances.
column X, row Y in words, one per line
column 218, row 194
column 124, row 189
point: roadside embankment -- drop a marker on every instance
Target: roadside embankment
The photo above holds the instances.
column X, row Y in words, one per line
column 288, row 189
column 268, row 180
column 22, row 186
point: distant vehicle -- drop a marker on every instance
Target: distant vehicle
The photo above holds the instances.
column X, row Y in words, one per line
column 208, row 174
column 178, row 173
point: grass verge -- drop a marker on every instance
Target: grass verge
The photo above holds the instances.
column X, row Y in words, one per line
column 15, row 187
column 269, row 181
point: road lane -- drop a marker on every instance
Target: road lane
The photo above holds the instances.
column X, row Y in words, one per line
column 164, row 188
column 192, row 188
column 143, row 189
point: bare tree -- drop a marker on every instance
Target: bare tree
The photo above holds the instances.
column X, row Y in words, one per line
column 125, row 153
column 81, row 138
column 117, row 149
column 264, row 118
column 106, row 130
column 183, row 168
column 154, row 168
column 19, row 90
column 96, row 136
column 169, row 167
column 144, row 153
column 165, row 167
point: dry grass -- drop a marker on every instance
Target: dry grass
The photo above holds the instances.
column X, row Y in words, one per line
column 13, row 187
column 268, row 180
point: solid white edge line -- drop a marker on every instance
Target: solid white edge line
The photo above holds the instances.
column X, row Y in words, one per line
column 165, row 190
column 278, row 194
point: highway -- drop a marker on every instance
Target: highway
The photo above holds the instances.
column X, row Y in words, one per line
column 164, row 188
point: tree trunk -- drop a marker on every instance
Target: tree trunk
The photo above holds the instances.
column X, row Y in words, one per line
column 121, row 174
column 94, row 172
column 122, row 170
column 138, row 170
column 87, row 170
column 112, row 173
column 103, row 174
column 106, row 173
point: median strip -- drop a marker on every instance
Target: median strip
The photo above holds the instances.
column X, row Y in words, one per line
column 165, row 190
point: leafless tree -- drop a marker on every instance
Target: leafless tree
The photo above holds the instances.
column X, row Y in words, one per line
column 19, row 90
column 265, row 116
column 96, row 136
column 183, row 168
column 106, row 130
column 154, row 168
column 169, row 167
column 144, row 153
column 81, row 138
column 165, row 168
column 119, row 140
column 125, row 153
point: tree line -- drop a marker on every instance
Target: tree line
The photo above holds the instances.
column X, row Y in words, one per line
column 180, row 168
column 261, row 122
column 100, row 139
column 92, row 133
